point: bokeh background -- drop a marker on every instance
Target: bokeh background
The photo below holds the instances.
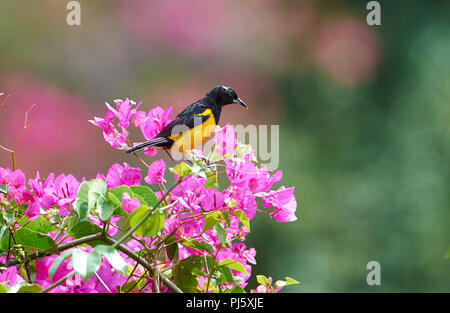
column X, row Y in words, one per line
column 363, row 111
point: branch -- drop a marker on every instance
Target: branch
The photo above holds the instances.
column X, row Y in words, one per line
column 61, row 247
column 144, row 263
column 4, row 100
column 25, row 127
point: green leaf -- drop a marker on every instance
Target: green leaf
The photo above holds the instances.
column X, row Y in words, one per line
column 182, row 169
column 262, row 280
column 9, row 216
column 226, row 217
column 88, row 195
column 171, row 247
column 3, row 287
column 4, row 243
column 120, row 212
column 64, row 255
column 4, row 189
column 225, row 275
column 288, row 281
column 40, row 225
column 97, row 188
column 83, row 211
column 198, row 245
column 232, row 264
column 198, row 272
column 133, row 285
column 237, row 289
column 83, row 229
column 30, row 289
column 115, row 194
column 33, row 240
column 209, row 263
column 3, row 231
column 211, row 182
column 221, row 234
column 183, row 273
column 242, row 217
column 106, row 208
column 113, row 198
column 146, row 194
column 81, row 204
column 212, row 219
column 113, row 257
column 85, row 264
column 152, row 226
column 214, row 156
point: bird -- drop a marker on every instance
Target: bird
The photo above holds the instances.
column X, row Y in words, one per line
column 195, row 124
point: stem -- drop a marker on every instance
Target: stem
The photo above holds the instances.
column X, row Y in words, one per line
column 102, row 282
column 5, row 100
column 144, row 263
column 139, row 158
column 59, row 282
column 213, row 268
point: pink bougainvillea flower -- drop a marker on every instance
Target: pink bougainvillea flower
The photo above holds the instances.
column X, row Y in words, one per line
column 123, row 175
column 240, row 172
column 284, row 202
column 129, row 204
column 260, row 289
column 155, row 121
column 139, row 118
column 42, row 190
column 225, row 139
column 104, row 123
column 33, row 210
column 192, row 183
column 262, row 180
column 124, row 111
column 245, row 201
column 4, row 176
column 109, row 277
column 243, row 173
column 112, row 136
column 65, row 192
column 286, row 213
column 156, row 173
column 16, row 178
column 212, row 199
column 277, row 198
column 10, row 276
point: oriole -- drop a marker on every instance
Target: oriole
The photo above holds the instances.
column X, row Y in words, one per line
column 195, row 124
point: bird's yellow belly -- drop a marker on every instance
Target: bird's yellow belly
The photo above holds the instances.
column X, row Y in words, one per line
column 195, row 136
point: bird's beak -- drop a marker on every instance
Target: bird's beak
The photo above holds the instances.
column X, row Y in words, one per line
column 239, row 101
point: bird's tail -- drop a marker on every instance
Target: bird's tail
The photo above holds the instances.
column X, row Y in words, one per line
column 158, row 141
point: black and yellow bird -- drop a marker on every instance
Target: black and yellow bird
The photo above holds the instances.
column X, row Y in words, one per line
column 195, row 124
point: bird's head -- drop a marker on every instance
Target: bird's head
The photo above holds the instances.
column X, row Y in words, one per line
column 223, row 95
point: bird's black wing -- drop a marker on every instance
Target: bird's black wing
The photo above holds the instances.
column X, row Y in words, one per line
column 188, row 117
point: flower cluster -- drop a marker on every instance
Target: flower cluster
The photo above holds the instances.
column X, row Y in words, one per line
column 191, row 234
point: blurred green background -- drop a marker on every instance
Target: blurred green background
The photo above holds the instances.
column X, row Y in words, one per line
column 363, row 111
